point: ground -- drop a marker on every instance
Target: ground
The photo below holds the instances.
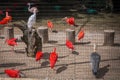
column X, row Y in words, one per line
column 70, row 66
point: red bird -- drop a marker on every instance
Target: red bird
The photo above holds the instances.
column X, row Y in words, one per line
column 53, row 58
column 39, row 55
column 11, row 42
column 50, row 24
column 3, row 21
column 9, row 18
column 69, row 44
column 81, row 34
column 6, row 19
column 70, row 21
column 12, row 73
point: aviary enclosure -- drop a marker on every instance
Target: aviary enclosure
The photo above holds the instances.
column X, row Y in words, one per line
column 60, row 40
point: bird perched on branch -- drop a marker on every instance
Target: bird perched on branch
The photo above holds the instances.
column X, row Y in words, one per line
column 31, row 9
column 32, row 19
column 70, row 21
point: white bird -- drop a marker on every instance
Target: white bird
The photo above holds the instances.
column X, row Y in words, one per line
column 32, row 18
column 31, row 9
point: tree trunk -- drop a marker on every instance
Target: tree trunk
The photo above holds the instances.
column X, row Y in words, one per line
column 31, row 39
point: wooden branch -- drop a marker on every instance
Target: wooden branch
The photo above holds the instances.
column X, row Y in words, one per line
column 31, row 39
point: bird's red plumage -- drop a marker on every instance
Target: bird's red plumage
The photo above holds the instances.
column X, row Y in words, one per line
column 53, row 58
column 12, row 73
column 70, row 21
column 6, row 19
column 3, row 21
column 69, row 44
column 11, row 42
column 39, row 55
column 49, row 24
column 80, row 35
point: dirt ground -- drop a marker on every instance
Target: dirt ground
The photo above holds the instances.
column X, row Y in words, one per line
column 70, row 66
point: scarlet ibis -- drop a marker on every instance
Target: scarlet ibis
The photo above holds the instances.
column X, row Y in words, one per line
column 12, row 73
column 50, row 24
column 11, row 42
column 6, row 19
column 3, row 21
column 70, row 21
column 69, row 44
column 53, row 58
column 81, row 34
column 39, row 55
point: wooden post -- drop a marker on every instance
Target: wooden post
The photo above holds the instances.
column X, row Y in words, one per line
column 109, row 37
column 43, row 33
column 70, row 35
column 9, row 32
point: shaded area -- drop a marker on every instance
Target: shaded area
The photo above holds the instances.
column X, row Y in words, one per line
column 86, row 62
column 82, row 43
column 20, row 51
column 60, row 69
column 1, row 37
column 52, row 42
column 63, row 56
column 16, row 51
column 102, row 71
column 75, row 52
column 117, row 44
column 46, row 55
column 11, row 64
column 54, row 31
column 44, row 64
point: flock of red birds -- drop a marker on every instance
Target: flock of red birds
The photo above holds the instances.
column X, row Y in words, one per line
column 70, row 21
column 39, row 54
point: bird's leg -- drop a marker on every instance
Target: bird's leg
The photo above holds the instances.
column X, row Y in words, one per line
column 50, row 29
column 54, row 70
column 39, row 62
column 13, row 49
column 70, row 51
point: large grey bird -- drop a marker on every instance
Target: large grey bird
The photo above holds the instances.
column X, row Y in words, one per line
column 95, row 60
